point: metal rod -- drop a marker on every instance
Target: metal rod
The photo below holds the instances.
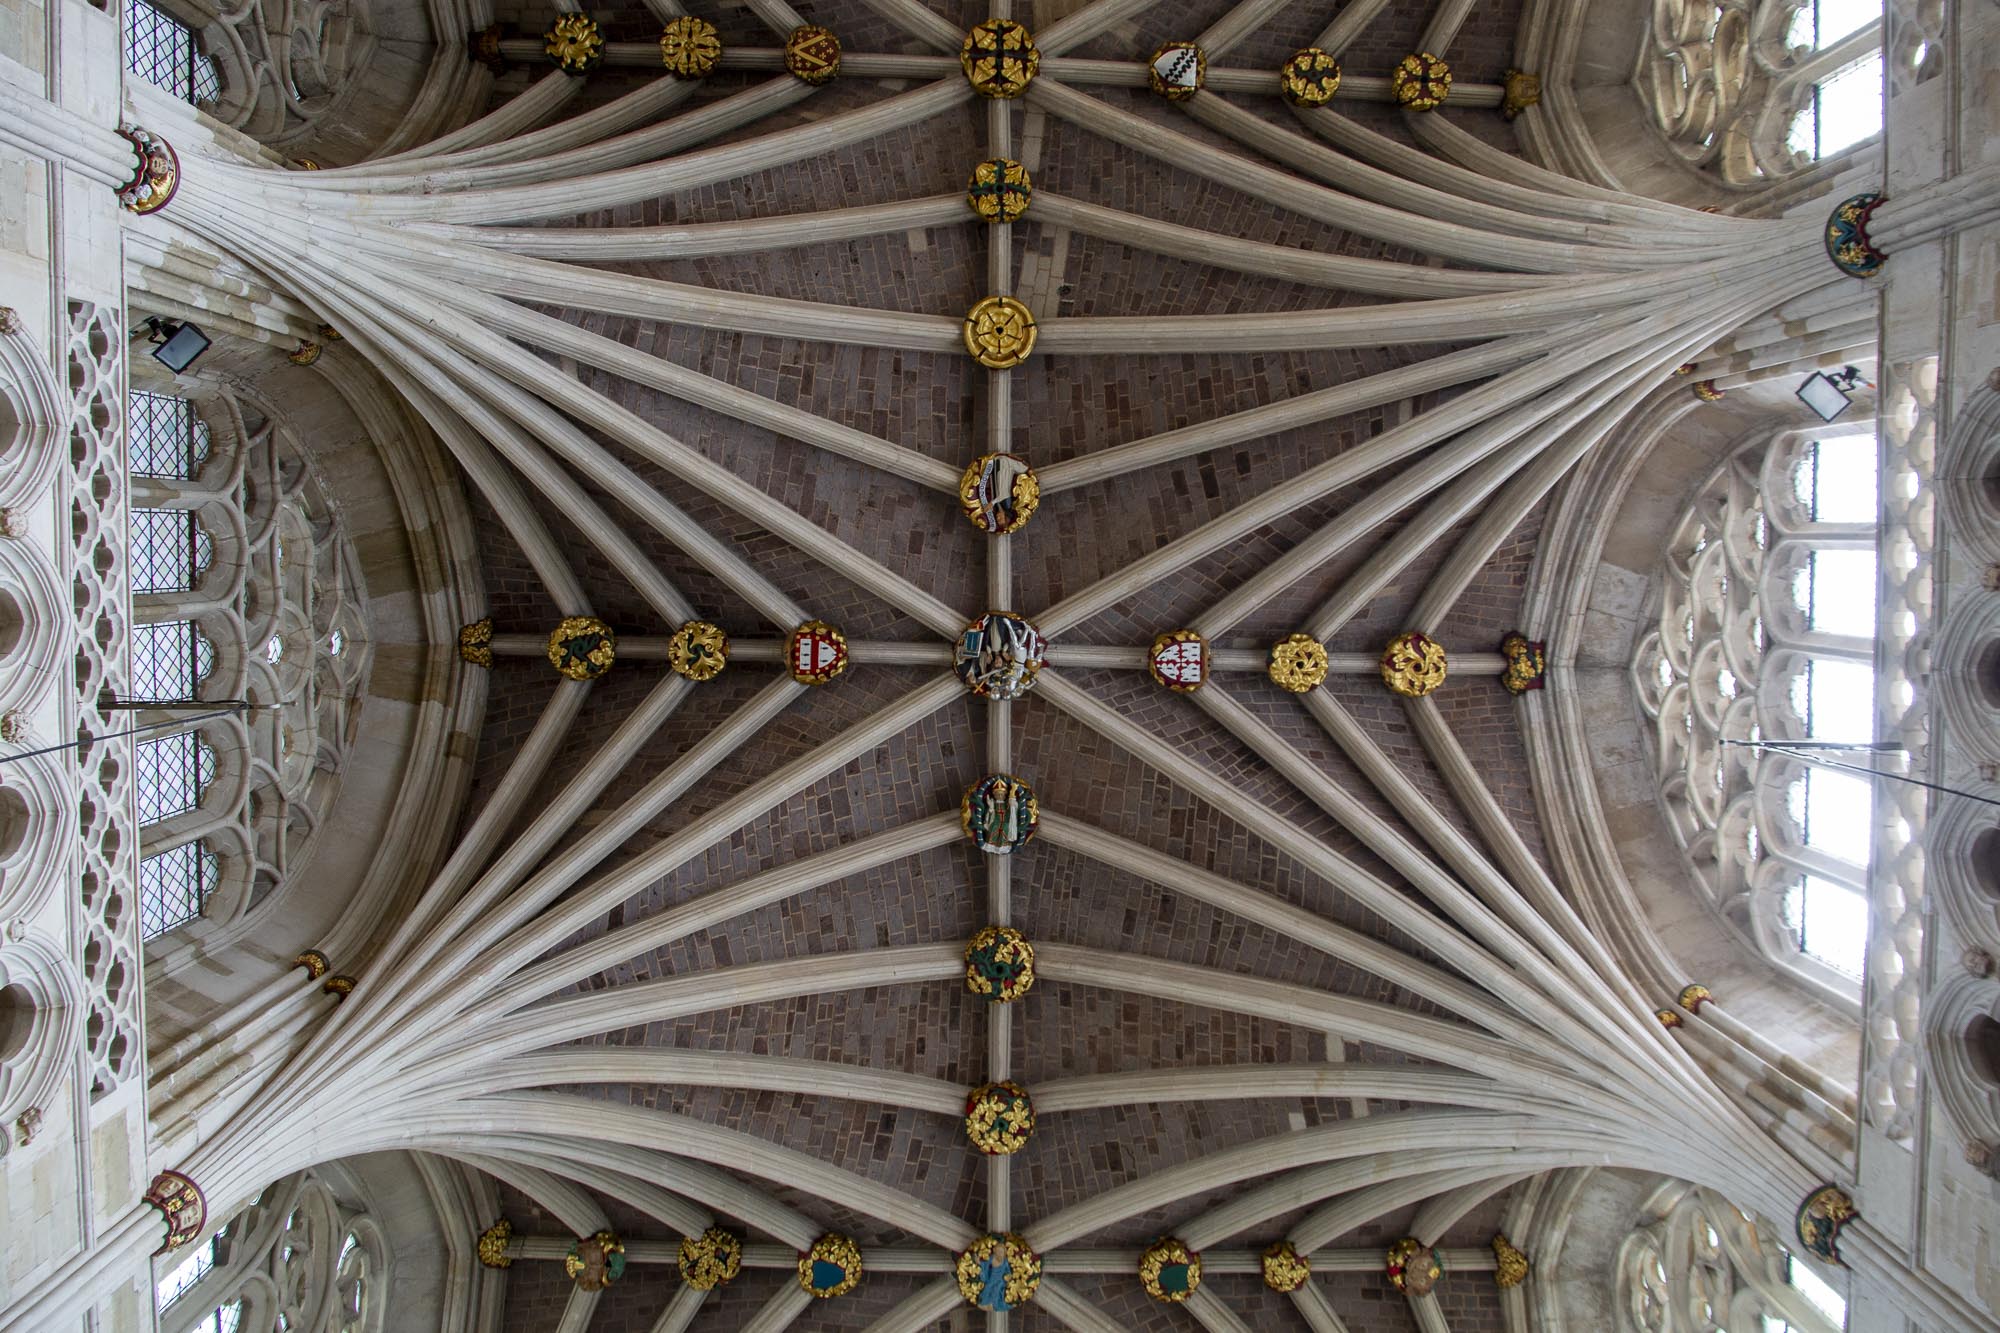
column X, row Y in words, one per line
column 233, row 707
column 1794, row 749
column 1887, row 747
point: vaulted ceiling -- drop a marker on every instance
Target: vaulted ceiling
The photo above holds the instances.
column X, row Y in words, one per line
column 1064, row 408
column 721, row 924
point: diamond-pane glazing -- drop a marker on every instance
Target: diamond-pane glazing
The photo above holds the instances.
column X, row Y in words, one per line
column 174, row 886
column 162, row 51
column 169, row 658
column 172, row 773
column 169, row 550
column 167, row 438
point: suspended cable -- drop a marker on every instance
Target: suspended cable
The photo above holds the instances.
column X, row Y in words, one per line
column 230, row 708
column 1796, row 750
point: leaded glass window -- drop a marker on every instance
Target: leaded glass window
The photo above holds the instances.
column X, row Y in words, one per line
column 183, row 1276
column 1828, row 921
column 169, row 550
column 169, row 658
column 167, row 438
column 1767, row 617
column 174, row 887
column 1835, row 479
column 162, row 51
column 1819, row 23
column 1841, row 110
column 1817, row 1291
column 172, row 773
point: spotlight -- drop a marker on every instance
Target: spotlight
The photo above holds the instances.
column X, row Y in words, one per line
column 1830, row 395
column 176, row 343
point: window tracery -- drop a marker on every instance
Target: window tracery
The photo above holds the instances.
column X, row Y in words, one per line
column 300, row 1257
column 94, row 358
column 1755, row 90
column 246, row 588
column 1696, row 1262
column 273, row 70
column 1766, row 634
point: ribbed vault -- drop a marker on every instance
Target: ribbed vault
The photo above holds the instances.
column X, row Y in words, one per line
column 698, row 950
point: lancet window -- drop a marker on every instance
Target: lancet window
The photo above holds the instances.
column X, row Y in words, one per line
column 167, row 438
column 170, row 549
column 1766, row 637
column 244, row 653
column 186, row 1277
column 1817, row 1292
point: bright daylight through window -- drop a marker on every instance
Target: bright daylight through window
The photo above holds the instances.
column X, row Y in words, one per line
column 1817, row 1292
column 1766, row 635
column 1844, row 106
column 184, row 1276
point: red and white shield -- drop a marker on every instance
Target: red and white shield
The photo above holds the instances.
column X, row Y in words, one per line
column 818, row 653
column 1180, row 663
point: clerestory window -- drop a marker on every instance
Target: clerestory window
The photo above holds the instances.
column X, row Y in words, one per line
column 170, row 550
column 245, row 590
column 185, row 1276
column 169, row 659
column 318, row 1259
column 182, row 1277
column 1756, row 90
column 1697, row 1262
column 172, row 772
column 1766, row 637
column 1843, row 105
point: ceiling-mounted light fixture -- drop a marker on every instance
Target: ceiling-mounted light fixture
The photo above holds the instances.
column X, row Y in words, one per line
column 1830, row 395
column 176, row 343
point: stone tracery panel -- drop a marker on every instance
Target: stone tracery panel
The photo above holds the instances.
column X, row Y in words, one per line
column 272, row 68
column 41, row 1021
column 281, row 600
column 1725, row 82
column 1961, row 1018
column 1696, row 1261
column 109, row 836
column 1898, row 902
column 1962, row 1060
column 1732, row 662
column 301, row 1257
column 1915, row 43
